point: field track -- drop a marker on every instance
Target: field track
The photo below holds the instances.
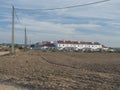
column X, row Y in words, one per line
column 4, row 53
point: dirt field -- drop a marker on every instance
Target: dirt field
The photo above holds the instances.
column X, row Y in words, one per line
column 62, row 70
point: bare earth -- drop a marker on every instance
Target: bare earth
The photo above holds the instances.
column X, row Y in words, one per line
column 4, row 52
column 39, row 70
column 8, row 87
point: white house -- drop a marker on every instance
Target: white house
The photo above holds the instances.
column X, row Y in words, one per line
column 71, row 45
column 79, row 45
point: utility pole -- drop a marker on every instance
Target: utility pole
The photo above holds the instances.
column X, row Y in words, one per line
column 30, row 45
column 25, row 43
column 12, row 45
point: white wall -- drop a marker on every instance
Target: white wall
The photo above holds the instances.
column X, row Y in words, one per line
column 79, row 46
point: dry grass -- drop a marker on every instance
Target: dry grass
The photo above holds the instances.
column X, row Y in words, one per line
column 62, row 70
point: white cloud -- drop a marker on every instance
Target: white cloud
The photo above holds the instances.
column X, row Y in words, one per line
column 45, row 26
column 116, row 24
column 84, row 26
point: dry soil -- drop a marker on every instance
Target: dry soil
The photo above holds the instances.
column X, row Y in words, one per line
column 40, row 70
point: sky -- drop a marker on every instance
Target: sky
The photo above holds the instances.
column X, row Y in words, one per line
column 95, row 23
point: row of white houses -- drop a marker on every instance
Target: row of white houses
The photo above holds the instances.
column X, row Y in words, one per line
column 71, row 45
column 80, row 45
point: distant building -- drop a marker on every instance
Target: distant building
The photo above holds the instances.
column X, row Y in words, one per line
column 78, row 45
column 45, row 45
column 105, row 48
column 71, row 45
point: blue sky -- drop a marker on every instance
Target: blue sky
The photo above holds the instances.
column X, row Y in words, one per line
column 100, row 22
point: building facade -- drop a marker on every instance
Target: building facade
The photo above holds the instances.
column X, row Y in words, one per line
column 71, row 45
column 79, row 45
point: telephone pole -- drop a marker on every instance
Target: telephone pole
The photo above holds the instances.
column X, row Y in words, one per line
column 12, row 45
column 25, row 43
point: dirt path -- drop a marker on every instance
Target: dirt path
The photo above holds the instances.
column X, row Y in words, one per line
column 8, row 87
column 4, row 53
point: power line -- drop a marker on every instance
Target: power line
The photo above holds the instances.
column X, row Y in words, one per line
column 74, row 6
column 18, row 18
column 12, row 4
column 92, row 3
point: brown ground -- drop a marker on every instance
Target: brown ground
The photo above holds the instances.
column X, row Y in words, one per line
column 8, row 87
column 62, row 70
column 4, row 52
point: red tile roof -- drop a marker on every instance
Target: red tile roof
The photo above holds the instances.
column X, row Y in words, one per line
column 77, row 42
column 104, row 46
